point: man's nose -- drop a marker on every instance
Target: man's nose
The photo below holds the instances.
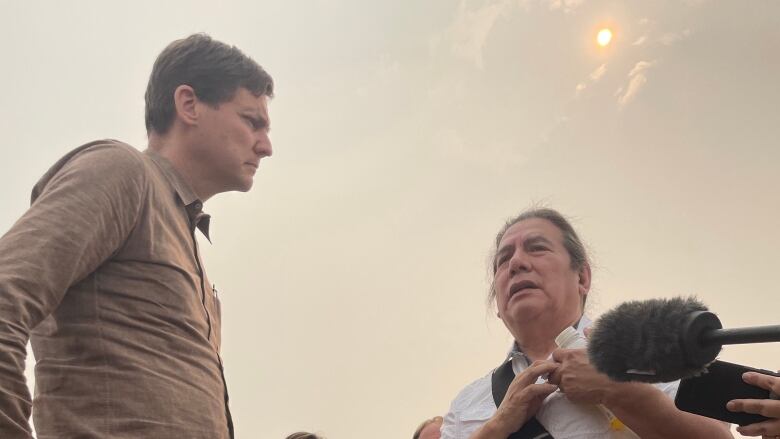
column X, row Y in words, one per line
column 263, row 146
column 519, row 263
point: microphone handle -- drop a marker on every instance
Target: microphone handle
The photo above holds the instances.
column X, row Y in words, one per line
column 754, row 334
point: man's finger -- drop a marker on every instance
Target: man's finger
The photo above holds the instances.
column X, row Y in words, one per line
column 767, row 382
column 765, row 407
column 541, row 390
column 537, row 369
column 769, row 428
column 555, row 377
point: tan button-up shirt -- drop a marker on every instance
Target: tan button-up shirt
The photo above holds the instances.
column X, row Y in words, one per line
column 103, row 274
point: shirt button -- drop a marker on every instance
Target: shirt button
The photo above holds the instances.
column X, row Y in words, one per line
column 198, row 205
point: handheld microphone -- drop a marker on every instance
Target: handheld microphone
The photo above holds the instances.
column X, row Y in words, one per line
column 662, row 340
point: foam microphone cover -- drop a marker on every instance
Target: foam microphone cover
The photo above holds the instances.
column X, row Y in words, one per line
column 643, row 340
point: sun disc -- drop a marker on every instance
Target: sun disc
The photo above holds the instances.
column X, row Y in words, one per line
column 604, row 37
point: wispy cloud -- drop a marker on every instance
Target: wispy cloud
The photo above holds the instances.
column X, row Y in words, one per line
column 670, row 38
column 598, row 73
column 567, row 6
column 637, row 80
column 640, row 67
column 469, row 31
column 650, row 34
column 594, row 77
column 634, row 85
column 639, row 41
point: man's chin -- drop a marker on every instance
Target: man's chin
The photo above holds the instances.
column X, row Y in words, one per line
column 524, row 310
column 244, row 186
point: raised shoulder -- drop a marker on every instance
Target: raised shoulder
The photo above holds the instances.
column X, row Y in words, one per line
column 103, row 162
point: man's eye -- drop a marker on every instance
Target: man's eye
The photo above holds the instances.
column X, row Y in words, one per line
column 501, row 261
column 538, row 248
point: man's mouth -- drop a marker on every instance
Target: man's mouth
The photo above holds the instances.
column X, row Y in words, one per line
column 519, row 287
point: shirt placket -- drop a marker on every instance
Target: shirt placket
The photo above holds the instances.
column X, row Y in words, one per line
column 196, row 216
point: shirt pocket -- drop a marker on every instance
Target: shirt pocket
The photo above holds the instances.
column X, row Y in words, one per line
column 472, row 419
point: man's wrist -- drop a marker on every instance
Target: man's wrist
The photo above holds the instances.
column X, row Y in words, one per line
column 621, row 394
column 615, row 394
column 495, row 428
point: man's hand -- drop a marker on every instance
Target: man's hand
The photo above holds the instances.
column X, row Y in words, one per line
column 766, row 407
column 523, row 399
column 577, row 379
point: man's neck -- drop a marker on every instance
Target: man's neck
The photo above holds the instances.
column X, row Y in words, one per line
column 538, row 351
column 537, row 339
column 173, row 151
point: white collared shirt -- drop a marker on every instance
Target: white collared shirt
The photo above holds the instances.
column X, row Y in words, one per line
column 474, row 405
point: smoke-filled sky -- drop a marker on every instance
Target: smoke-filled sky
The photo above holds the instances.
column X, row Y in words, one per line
column 353, row 276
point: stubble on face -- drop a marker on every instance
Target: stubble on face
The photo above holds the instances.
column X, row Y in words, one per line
column 238, row 130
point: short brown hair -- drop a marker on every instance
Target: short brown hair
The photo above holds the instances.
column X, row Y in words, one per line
column 213, row 69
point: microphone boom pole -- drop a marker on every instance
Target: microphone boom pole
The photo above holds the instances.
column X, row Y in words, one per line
column 749, row 335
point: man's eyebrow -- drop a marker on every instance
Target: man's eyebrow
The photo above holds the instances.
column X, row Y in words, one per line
column 249, row 111
column 256, row 116
column 536, row 240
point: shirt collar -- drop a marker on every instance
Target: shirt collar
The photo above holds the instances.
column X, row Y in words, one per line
column 580, row 326
column 192, row 204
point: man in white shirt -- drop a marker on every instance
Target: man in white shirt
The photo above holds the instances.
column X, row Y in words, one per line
column 540, row 285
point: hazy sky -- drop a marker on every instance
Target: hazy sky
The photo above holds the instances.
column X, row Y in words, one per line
column 353, row 276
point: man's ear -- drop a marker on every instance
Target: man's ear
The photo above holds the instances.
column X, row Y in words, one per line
column 584, row 280
column 185, row 102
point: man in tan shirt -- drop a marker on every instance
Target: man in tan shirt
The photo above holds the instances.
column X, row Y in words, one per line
column 103, row 274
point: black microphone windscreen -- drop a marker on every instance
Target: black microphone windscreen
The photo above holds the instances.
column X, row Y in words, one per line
column 642, row 341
